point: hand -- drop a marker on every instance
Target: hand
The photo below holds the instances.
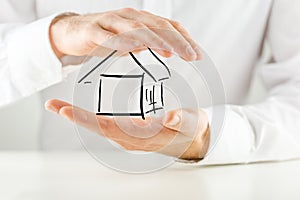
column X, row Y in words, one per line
column 123, row 30
column 180, row 133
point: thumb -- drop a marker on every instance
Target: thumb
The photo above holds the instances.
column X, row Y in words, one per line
column 186, row 121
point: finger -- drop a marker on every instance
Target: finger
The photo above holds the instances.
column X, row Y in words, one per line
column 83, row 118
column 54, row 105
column 183, row 32
column 192, row 50
column 134, row 30
column 164, row 30
column 75, row 114
column 117, row 129
column 165, row 54
column 188, row 38
column 114, row 128
column 166, row 141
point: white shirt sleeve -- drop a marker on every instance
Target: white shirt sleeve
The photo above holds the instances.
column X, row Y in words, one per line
column 269, row 130
column 27, row 61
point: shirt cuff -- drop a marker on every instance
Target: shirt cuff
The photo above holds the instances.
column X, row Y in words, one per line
column 33, row 64
column 232, row 143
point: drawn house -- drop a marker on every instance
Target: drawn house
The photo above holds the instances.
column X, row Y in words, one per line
column 150, row 93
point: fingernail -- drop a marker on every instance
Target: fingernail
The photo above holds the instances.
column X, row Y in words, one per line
column 198, row 52
column 173, row 121
column 190, row 51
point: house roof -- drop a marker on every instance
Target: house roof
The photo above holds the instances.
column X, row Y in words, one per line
column 156, row 75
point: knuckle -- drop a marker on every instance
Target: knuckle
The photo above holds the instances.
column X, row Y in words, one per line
column 137, row 25
column 101, row 38
column 108, row 15
column 160, row 44
column 90, row 30
column 107, row 37
column 175, row 23
column 125, row 10
column 145, row 12
column 162, row 23
column 92, row 25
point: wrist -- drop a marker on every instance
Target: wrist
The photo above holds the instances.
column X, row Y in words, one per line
column 56, row 32
column 198, row 148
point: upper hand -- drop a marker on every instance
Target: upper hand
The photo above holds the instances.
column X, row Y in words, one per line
column 123, row 30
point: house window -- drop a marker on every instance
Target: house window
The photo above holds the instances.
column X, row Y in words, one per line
column 122, row 108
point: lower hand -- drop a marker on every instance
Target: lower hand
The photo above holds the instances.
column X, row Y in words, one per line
column 181, row 133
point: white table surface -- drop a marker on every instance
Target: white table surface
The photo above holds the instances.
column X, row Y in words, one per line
column 55, row 176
